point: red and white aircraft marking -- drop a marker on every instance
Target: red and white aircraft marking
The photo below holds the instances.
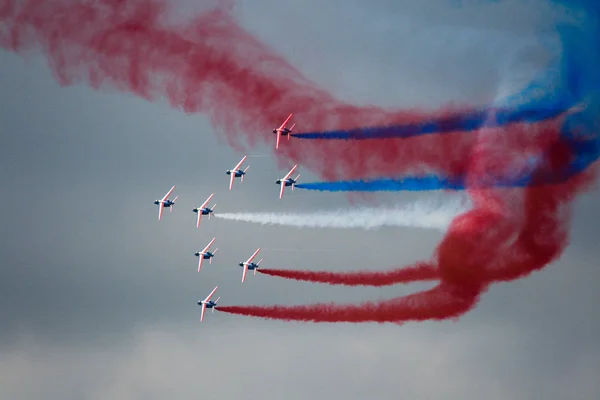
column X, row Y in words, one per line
column 287, row 181
column 283, row 130
column 236, row 172
column 249, row 264
column 165, row 202
column 203, row 210
column 208, row 303
column 205, row 254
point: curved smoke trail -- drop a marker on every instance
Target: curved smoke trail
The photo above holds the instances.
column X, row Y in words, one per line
column 213, row 66
column 585, row 153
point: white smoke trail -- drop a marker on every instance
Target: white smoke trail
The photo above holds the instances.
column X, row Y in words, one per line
column 421, row 214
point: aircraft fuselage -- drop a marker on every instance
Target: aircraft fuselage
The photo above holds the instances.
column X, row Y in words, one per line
column 238, row 173
column 209, row 304
column 288, row 182
column 167, row 203
column 251, row 266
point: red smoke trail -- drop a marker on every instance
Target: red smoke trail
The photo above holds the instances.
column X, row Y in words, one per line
column 211, row 65
column 501, row 151
column 442, row 302
column 509, row 234
column 418, row 273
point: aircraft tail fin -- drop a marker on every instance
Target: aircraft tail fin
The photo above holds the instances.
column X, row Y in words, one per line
column 173, row 205
column 242, row 180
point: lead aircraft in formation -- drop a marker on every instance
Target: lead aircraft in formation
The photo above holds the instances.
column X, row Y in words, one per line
column 235, row 172
column 282, row 130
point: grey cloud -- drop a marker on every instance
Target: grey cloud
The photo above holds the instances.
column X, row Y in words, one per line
column 453, row 361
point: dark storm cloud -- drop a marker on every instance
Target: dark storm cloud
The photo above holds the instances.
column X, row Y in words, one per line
column 97, row 298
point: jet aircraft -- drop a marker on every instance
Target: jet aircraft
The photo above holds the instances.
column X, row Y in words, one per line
column 204, row 210
column 236, row 172
column 287, row 181
column 165, row 202
column 204, row 254
column 208, row 303
column 250, row 265
column 283, row 130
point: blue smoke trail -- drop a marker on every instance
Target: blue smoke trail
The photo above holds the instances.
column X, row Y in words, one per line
column 571, row 80
column 466, row 122
column 586, row 152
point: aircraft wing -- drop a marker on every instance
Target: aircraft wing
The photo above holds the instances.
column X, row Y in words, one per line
column 278, row 139
column 160, row 210
column 208, row 245
column 240, row 163
column 291, row 172
column 211, row 293
column 282, row 184
column 206, row 202
column 200, row 258
column 252, row 256
column 168, row 194
column 202, row 312
column 244, row 272
column 199, row 218
column 285, row 122
column 231, row 178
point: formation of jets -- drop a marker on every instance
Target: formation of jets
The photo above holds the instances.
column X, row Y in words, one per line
column 204, row 209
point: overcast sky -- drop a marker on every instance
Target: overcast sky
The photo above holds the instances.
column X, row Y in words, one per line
column 98, row 298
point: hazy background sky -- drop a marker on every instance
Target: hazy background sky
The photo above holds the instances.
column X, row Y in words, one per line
column 98, row 298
